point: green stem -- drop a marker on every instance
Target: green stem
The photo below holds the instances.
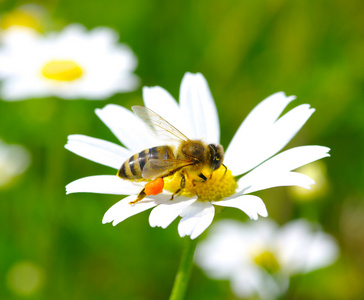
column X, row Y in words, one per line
column 184, row 270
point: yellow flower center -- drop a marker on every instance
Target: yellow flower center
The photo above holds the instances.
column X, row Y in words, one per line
column 221, row 185
column 19, row 18
column 62, row 70
column 268, row 261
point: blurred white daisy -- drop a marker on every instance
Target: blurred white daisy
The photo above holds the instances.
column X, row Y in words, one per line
column 71, row 64
column 259, row 258
column 14, row 160
column 259, row 137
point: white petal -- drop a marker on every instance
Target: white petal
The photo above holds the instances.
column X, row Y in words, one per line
column 195, row 219
column 258, row 143
column 15, row 89
column 303, row 249
column 296, row 157
column 161, row 102
column 165, row 213
column 103, row 38
column 276, row 171
column 246, row 282
column 127, row 127
column 126, row 59
column 199, row 109
column 251, row 205
column 100, row 151
column 275, row 180
column 123, row 210
column 103, row 184
column 263, row 116
column 265, row 113
column 223, row 248
column 16, row 37
column 322, row 252
column 275, row 137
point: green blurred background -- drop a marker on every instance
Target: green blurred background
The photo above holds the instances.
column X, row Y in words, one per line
column 247, row 50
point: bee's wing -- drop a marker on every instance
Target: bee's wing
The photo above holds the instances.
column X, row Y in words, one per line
column 158, row 124
column 155, row 168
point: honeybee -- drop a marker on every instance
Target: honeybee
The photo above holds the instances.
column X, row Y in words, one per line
column 193, row 159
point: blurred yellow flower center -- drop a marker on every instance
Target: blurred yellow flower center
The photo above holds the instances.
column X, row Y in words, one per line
column 317, row 171
column 268, row 261
column 19, row 18
column 221, row 185
column 62, row 70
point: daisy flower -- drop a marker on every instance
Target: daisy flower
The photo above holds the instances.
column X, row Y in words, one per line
column 14, row 160
column 260, row 136
column 259, row 258
column 71, row 64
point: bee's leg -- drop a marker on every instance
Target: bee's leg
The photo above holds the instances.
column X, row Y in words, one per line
column 182, row 185
column 203, row 177
column 140, row 197
column 183, row 181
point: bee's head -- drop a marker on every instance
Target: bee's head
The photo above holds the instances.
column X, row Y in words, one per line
column 217, row 155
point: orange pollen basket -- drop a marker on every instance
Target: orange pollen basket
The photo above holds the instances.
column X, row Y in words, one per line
column 154, row 187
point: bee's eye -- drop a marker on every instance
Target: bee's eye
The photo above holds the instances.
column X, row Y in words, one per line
column 216, row 161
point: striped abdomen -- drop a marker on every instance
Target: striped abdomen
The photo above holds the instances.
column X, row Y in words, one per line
column 133, row 167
